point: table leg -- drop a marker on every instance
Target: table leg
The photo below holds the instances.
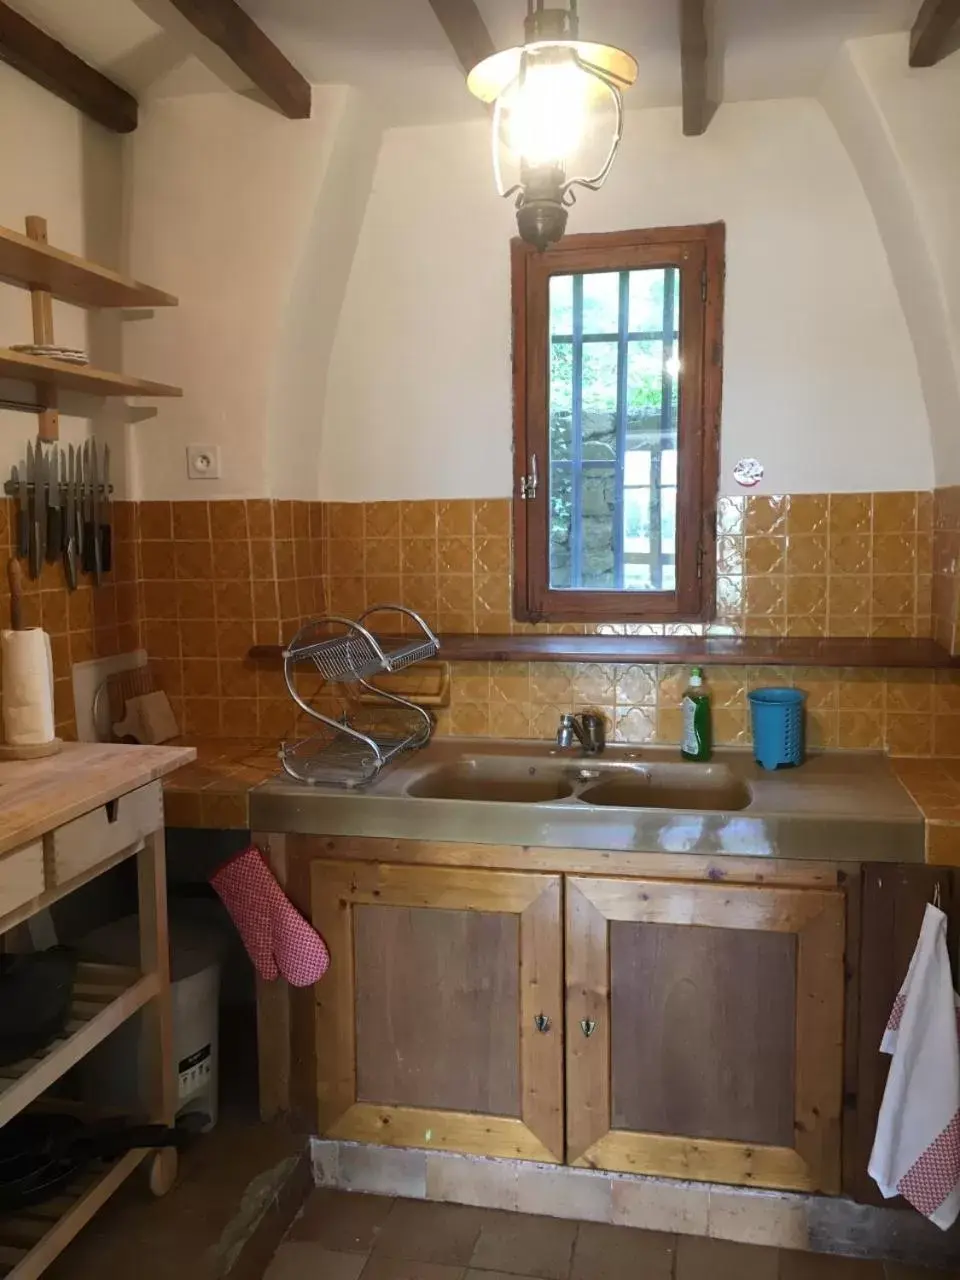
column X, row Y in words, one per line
column 159, row 1083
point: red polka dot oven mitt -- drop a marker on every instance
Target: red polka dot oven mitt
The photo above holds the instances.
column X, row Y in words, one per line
column 274, row 932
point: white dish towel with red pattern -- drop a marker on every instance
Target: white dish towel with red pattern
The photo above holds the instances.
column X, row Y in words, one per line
column 916, row 1151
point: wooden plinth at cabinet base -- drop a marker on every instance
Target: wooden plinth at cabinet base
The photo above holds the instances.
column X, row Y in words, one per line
column 479, row 1135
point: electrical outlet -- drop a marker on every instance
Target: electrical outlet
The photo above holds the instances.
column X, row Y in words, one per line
column 203, row 462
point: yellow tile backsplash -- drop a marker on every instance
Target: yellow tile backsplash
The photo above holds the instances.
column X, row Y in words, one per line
column 860, row 564
column 790, row 564
column 903, row 711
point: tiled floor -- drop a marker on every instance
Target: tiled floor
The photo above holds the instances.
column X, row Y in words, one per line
column 343, row 1236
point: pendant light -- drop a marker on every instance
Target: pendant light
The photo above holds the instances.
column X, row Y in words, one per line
column 549, row 94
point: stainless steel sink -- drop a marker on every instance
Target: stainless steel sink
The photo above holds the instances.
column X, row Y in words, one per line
column 517, row 779
column 507, row 781
column 708, row 787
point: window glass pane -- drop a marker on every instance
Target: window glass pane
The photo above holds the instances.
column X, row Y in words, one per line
column 636, row 466
column 561, row 399
column 613, row 413
column 601, row 302
column 599, row 413
column 561, row 305
column 596, row 531
column 561, row 514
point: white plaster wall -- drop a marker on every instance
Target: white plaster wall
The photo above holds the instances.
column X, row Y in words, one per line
column 224, row 198
column 901, row 127
column 59, row 165
column 318, row 283
column 820, row 379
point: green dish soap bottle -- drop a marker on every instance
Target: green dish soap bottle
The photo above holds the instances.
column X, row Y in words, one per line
column 697, row 740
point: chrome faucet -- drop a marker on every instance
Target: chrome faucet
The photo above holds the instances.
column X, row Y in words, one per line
column 587, row 729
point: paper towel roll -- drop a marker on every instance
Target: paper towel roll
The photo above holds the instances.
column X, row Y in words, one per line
column 27, row 687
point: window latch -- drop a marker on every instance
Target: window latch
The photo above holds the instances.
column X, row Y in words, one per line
column 529, row 482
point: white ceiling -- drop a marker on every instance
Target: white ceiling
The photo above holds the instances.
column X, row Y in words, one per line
column 396, row 51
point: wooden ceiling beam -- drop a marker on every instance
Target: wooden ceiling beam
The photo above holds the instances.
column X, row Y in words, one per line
column 465, row 29
column 47, row 62
column 700, row 65
column 930, row 39
column 233, row 31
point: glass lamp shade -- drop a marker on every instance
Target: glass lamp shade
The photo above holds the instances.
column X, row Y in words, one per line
column 549, row 95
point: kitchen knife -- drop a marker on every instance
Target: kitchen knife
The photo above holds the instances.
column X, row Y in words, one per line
column 78, row 508
column 86, row 506
column 40, row 501
column 33, row 536
column 106, row 530
column 70, row 524
column 54, row 523
column 23, row 511
column 95, row 515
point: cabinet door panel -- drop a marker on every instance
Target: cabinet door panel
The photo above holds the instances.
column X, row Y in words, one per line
column 438, row 1008
column 440, row 1023
column 705, row 1031
column 702, row 1031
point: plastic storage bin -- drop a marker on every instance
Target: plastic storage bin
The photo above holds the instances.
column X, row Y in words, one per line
column 110, row 1074
column 777, row 720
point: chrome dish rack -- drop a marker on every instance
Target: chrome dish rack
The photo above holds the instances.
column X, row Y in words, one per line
column 352, row 750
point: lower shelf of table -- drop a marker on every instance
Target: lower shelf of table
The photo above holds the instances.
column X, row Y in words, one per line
column 104, row 997
column 30, row 1239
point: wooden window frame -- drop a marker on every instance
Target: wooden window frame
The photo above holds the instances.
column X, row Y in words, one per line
column 698, row 252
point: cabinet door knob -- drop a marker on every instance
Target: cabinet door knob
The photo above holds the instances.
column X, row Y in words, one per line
column 588, row 1026
column 542, row 1022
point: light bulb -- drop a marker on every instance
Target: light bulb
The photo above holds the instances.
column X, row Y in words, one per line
column 545, row 111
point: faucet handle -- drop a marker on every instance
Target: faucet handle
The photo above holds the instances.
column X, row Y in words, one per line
column 594, row 732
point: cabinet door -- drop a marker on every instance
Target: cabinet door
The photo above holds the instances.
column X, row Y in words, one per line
column 704, row 1031
column 440, row 1022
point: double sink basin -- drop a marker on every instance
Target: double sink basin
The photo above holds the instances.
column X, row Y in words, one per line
column 534, row 779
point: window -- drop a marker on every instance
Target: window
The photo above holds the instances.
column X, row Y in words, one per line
column 617, row 350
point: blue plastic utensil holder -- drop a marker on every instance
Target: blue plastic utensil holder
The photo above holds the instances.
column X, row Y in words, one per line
column 777, row 720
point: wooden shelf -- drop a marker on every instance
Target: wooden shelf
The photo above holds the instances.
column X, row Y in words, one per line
column 31, row 1238
column 842, row 651
column 69, row 377
column 35, row 265
column 104, row 997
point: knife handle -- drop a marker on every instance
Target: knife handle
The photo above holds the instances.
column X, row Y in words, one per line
column 54, row 535
column 35, row 550
column 23, row 532
column 106, row 548
column 88, row 558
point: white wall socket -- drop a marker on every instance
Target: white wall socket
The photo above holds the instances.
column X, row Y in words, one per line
column 203, row 462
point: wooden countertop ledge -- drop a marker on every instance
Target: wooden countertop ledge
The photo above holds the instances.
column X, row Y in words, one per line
column 38, row 795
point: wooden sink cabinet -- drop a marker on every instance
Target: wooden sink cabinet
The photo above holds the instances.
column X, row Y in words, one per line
column 648, row 1013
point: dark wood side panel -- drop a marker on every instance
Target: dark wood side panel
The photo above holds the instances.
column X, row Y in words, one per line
column 438, row 1008
column 893, row 903
column 703, row 1031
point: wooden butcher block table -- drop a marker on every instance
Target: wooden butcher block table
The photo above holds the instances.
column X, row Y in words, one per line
column 64, row 821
